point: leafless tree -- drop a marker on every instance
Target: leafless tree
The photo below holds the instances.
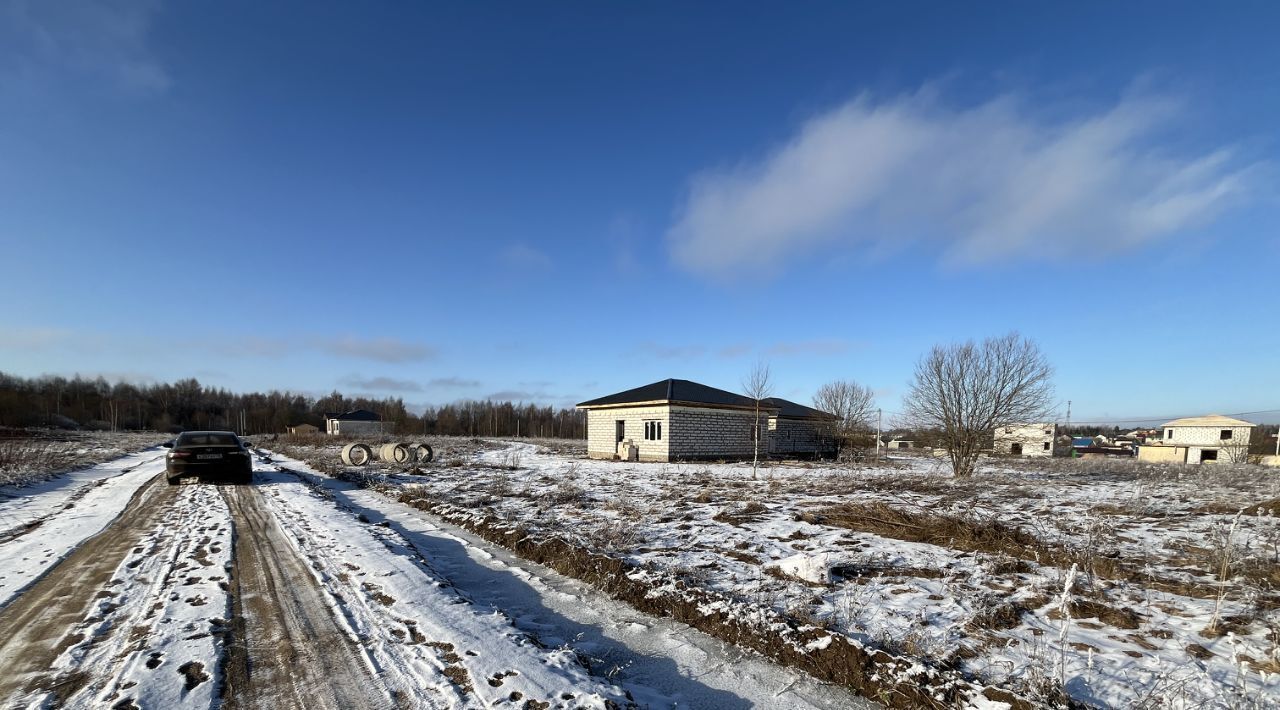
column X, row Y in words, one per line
column 758, row 384
column 851, row 404
column 967, row 390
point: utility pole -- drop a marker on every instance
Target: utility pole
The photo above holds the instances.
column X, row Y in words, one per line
column 1068, row 414
column 878, row 412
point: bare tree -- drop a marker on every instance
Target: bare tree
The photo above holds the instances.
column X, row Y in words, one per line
column 758, row 384
column 965, row 391
column 851, row 404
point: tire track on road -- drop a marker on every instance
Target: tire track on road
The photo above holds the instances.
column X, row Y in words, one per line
column 286, row 649
column 34, row 627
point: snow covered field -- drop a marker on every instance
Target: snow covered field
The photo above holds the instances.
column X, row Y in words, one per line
column 301, row 590
column 1111, row 583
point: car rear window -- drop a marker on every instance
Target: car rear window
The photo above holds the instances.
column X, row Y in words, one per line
column 207, row 440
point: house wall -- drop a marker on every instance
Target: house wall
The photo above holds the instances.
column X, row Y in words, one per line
column 349, row 427
column 1162, row 454
column 709, row 433
column 798, row 436
column 687, row 432
column 601, row 431
column 1197, row 438
column 1207, row 435
column 1033, row 438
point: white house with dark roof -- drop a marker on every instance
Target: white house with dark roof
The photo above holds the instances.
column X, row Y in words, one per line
column 357, row 421
column 675, row 420
column 1208, row 439
column 797, row 430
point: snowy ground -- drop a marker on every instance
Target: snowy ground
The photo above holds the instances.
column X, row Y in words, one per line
column 660, row 663
column 305, row 591
column 1173, row 601
column 30, row 455
column 42, row 523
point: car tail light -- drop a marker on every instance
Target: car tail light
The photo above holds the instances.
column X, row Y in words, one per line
column 179, row 454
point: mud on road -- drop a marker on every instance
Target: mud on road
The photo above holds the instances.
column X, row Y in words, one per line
column 190, row 596
column 285, row 649
column 125, row 607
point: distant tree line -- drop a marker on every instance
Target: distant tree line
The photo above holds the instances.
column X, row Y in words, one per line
column 59, row 402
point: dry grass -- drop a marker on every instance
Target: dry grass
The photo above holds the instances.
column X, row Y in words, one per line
column 30, row 455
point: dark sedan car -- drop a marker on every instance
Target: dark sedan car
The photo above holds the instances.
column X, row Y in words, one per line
column 208, row 455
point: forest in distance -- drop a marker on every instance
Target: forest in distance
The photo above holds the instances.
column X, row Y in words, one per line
column 79, row 403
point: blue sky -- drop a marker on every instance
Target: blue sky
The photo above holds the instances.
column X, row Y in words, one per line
column 555, row 201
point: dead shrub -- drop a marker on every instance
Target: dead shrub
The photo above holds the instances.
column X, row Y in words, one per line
column 745, row 513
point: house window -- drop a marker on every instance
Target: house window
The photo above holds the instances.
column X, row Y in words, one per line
column 1225, row 435
column 653, row 430
column 1046, row 446
column 1168, row 433
column 1208, row 455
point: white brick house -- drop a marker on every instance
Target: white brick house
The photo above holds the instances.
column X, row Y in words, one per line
column 797, row 430
column 674, row 420
column 1206, row 439
column 1031, row 440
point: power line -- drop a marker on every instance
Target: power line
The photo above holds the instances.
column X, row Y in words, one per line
column 1166, row 418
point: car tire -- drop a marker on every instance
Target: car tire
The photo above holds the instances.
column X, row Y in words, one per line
column 173, row 481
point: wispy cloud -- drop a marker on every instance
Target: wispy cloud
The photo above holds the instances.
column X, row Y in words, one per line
column 669, row 352
column 33, row 338
column 251, row 346
column 381, row 384
column 736, row 350
column 993, row 181
column 809, row 347
column 453, row 382
column 523, row 256
column 521, row 396
column 392, row 350
column 105, row 40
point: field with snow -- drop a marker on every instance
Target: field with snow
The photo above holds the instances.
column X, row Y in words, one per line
column 1103, row 583
column 302, row 590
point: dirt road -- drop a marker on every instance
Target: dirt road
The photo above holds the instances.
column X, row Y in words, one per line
column 285, row 649
column 267, row 595
column 60, row 610
column 301, row 592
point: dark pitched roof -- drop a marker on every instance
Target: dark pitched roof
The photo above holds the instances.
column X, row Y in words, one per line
column 675, row 391
column 787, row 408
column 358, row 415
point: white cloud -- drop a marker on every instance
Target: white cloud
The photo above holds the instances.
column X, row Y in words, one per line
column 381, row 384
column 33, row 338
column 454, row 381
column 380, row 349
column 106, row 39
column 522, row 256
column 991, row 182
column 809, row 347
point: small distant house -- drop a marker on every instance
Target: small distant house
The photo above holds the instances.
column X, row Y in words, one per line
column 304, row 429
column 1032, row 440
column 680, row 420
column 1206, row 439
column 357, row 421
column 901, row 444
